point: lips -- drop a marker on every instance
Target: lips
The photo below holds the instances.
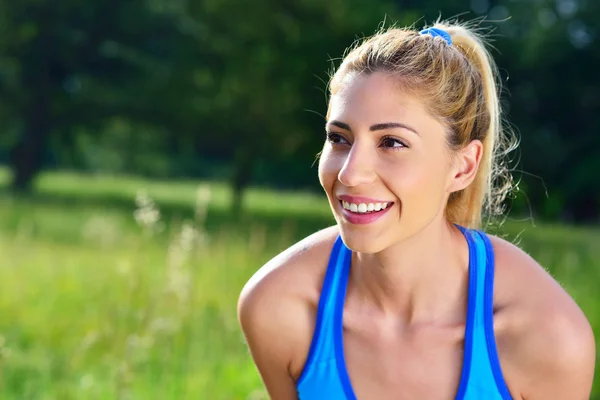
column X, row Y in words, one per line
column 363, row 210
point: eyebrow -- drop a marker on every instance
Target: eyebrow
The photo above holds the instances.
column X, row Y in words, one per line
column 376, row 127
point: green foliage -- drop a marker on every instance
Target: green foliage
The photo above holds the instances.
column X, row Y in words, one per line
column 149, row 86
column 110, row 293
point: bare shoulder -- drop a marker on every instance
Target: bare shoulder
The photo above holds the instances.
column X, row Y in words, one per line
column 545, row 342
column 277, row 307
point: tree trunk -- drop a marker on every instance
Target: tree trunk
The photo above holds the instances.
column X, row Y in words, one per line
column 26, row 157
column 242, row 174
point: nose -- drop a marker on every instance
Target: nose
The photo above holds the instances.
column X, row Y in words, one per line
column 358, row 168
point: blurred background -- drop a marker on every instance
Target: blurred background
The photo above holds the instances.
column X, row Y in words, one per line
column 155, row 153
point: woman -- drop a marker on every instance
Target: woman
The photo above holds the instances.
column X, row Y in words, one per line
column 405, row 298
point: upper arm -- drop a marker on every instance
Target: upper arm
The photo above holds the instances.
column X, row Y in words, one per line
column 277, row 311
column 548, row 345
column 262, row 327
column 559, row 356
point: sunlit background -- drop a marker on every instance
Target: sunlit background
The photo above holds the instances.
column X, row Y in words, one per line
column 155, row 153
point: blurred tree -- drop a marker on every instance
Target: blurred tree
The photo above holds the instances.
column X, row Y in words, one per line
column 551, row 54
column 267, row 50
column 69, row 64
column 95, row 84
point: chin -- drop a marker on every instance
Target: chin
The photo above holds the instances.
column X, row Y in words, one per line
column 364, row 242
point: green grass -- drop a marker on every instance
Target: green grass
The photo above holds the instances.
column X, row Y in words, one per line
column 95, row 306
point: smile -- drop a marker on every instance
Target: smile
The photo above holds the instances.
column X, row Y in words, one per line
column 363, row 208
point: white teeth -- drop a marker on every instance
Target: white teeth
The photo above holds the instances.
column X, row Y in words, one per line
column 362, row 208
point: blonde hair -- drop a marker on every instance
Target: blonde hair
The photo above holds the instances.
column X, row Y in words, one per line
column 459, row 85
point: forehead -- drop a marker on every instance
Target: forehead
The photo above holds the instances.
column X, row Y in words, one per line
column 376, row 98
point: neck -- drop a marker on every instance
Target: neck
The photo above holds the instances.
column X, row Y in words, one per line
column 421, row 279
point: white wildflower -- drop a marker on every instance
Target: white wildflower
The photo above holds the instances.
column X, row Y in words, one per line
column 147, row 214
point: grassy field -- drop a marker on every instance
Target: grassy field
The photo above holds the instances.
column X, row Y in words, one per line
column 110, row 293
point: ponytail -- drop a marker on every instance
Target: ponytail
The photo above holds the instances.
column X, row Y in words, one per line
column 493, row 182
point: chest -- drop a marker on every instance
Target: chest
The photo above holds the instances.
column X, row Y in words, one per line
column 417, row 363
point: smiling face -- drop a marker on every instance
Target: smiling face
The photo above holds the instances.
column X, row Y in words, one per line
column 384, row 151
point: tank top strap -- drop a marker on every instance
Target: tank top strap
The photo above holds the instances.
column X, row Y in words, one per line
column 323, row 345
column 481, row 356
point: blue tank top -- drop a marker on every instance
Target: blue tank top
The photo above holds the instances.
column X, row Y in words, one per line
column 325, row 375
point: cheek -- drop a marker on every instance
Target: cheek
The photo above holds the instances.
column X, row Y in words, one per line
column 329, row 168
column 419, row 178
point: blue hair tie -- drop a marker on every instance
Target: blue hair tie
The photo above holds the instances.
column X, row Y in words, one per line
column 437, row 32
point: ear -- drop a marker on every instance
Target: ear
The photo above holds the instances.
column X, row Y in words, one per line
column 465, row 166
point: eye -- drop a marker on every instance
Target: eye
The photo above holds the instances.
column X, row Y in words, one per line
column 392, row 142
column 335, row 138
